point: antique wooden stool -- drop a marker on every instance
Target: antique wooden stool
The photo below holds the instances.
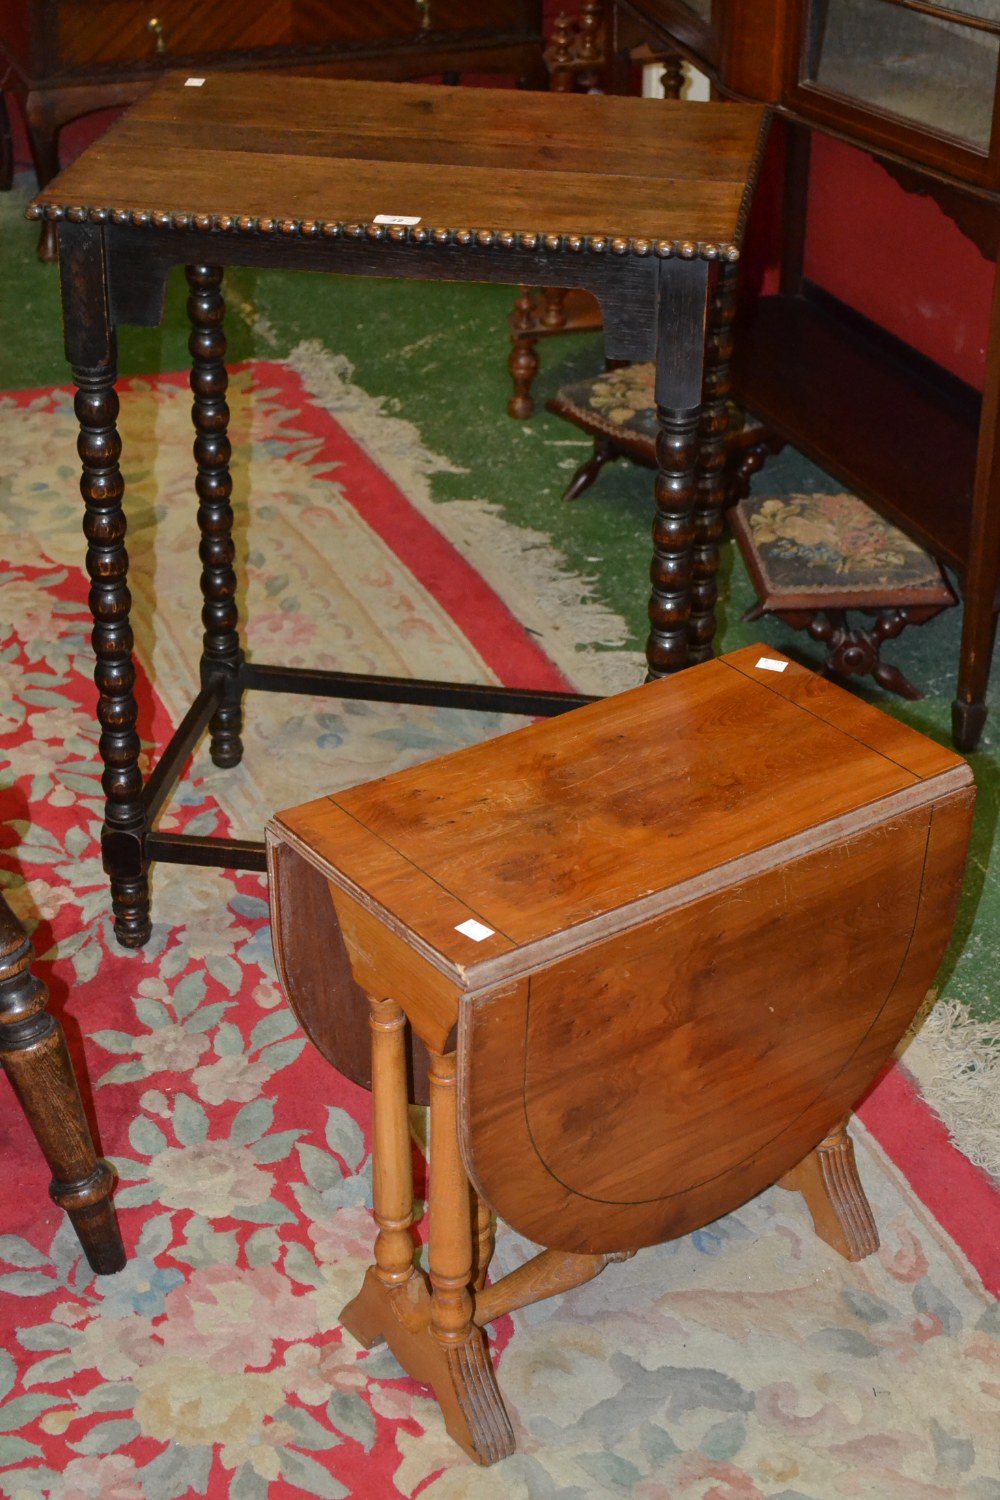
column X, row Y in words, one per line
column 816, row 560
column 653, row 951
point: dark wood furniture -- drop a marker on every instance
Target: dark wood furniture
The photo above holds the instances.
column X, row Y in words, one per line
column 61, row 59
column 595, row 929
column 633, row 200
column 888, row 424
column 34, row 1057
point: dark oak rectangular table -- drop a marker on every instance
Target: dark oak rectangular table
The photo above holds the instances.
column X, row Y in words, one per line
column 641, row 202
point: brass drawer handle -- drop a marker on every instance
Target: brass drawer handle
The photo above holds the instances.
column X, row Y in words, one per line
column 424, row 7
column 156, row 27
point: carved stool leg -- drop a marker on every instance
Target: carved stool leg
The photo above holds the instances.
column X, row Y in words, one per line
column 828, row 1180
column 34, row 1056
column 672, row 77
column 222, row 656
column 102, row 487
column 523, row 360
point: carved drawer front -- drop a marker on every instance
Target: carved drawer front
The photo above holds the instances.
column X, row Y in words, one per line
column 123, row 31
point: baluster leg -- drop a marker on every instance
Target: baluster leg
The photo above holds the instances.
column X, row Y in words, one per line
column 392, row 1176
column 34, row 1056
column 222, row 656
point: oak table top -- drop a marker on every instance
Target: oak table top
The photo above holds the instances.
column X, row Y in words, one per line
column 641, row 202
column 313, row 152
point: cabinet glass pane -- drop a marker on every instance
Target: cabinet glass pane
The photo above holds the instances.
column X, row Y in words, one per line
column 939, row 75
column 701, row 8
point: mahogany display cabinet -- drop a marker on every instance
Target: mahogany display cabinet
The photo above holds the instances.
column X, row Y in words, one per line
column 914, row 84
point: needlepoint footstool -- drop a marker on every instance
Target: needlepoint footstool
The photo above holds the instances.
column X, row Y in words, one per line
column 643, row 959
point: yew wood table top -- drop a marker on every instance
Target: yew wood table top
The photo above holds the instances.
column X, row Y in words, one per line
column 641, row 202
column 701, row 912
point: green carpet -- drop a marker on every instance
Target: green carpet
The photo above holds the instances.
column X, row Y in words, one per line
column 436, row 355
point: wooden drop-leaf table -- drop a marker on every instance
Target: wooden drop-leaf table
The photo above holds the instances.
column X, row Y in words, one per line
column 641, row 202
column 643, row 958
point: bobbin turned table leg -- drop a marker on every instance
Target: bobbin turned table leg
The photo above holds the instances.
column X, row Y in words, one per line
column 828, row 1180
column 91, row 344
column 222, row 655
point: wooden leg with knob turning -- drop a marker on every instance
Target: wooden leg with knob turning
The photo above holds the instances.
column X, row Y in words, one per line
column 34, row 1056
column 428, row 1323
column 828, row 1180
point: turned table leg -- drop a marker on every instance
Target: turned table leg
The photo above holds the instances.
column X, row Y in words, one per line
column 429, row 1330
column 828, row 1180
column 679, row 362
column 713, row 454
column 222, row 656
column 34, row 1056
column 91, row 346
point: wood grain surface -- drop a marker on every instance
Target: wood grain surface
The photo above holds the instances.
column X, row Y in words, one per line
column 282, row 147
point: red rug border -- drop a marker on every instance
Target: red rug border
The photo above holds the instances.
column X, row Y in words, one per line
column 962, row 1198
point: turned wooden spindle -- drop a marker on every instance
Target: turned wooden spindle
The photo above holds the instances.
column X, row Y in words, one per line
column 102, row 488
column 522, row 363
column 675, row 493
column 34, row 1056
column 716, row 420
column 222, row 656
column 392, row 1168
column 471, row 1400
column 672, row 77
column 484, row 1241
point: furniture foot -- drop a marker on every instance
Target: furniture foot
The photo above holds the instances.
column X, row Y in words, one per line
column 828, row 1180
column 34, row 1056
column 968, row 720
column 222, row 655
column 125, row 821
column 605, row 452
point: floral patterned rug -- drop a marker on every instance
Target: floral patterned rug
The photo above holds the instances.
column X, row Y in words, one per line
column 744, row 1361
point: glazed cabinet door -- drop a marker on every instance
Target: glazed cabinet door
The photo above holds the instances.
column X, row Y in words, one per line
column 912, row 75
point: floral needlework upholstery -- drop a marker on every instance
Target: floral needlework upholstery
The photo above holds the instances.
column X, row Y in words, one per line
column 619, row 403
column 813, row 550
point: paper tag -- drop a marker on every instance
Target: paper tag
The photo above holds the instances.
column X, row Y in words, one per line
column 193, row 83
column 395, row 219
column 474, row 930
column 771, row 664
